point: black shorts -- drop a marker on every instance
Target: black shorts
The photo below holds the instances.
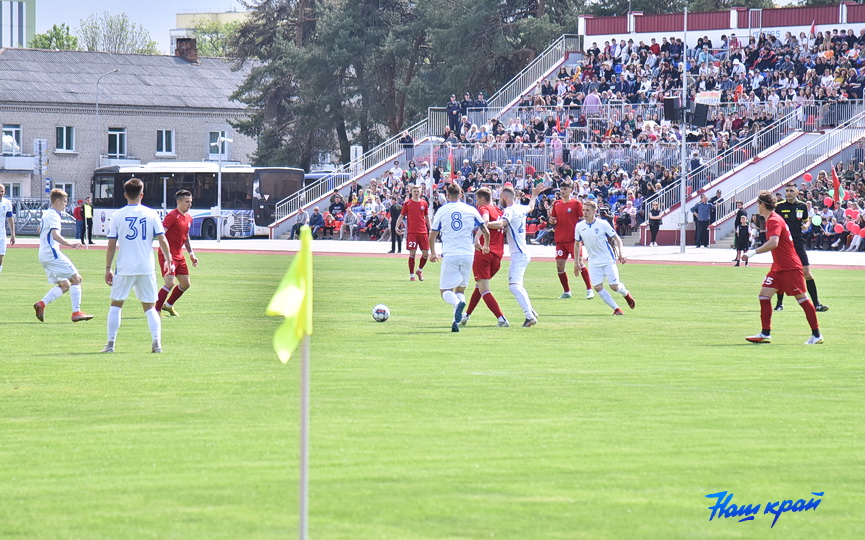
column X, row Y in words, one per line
column 801, row 252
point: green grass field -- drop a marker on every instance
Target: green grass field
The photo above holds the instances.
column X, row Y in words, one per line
column 585, row 426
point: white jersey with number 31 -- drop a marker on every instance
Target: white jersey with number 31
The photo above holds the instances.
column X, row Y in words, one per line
column 135, row 227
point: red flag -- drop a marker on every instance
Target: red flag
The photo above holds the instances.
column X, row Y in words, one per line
column 558, row 124
column 813, row 31
column 836, row 184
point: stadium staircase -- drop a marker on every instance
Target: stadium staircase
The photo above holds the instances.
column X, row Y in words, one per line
column 764, row 161
column 374, row 162
column 822, row 152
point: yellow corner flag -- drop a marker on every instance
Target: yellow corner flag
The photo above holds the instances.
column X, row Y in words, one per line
column 293, row 300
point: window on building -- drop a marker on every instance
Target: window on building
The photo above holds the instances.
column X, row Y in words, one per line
column 117, row 142
column 66, row 138
column 11, row 139
column 13, row 189
column 214, row 151
column 68, row 188
column 164, row 141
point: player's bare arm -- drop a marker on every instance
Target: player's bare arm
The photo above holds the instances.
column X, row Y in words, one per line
column 770, row 244
column 192, row 256
column 578, row 251
column 400, row 227
column 109, row 259
column 55, row 234
column 618, row 248
column 166, row 253
column 537, row 190
column 486, row 234
column 433, row 235
column 11, row 222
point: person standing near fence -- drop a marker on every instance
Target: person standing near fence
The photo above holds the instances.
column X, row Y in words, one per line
column 88, row 221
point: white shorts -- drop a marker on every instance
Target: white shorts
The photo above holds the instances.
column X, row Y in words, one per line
column 59, row 269
column 456, row 270
column 517, row 269
column 609, row 271
column 144, row 285
column 3, row 243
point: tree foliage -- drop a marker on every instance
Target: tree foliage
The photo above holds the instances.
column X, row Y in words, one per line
column 57, row 37
column 114, row 34
column 330, row 73
column 213, row 37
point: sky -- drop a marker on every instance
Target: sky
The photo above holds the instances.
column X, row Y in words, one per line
column 157, row 16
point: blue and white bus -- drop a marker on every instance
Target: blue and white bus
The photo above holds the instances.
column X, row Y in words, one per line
column 249, row 194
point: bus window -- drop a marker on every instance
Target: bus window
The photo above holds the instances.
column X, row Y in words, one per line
column 236, row 190
column 205, row 190
column 103, row 191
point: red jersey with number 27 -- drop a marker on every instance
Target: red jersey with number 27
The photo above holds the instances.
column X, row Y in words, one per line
column 784, row 256
column 415, row 213
column 567, row 215
column 177, row 231
column 497, row 236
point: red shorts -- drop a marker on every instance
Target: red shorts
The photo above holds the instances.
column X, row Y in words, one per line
column 417, row 241
column 789, row 282
column 485, row 265
column 563, row 251
column 180, row 268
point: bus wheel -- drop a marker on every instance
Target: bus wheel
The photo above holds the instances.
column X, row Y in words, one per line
column 208, row 230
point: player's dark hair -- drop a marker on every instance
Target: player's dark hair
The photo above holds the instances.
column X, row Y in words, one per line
column 56, row 195
column 767, row 199
column 182, row 193
column 566, row 184
column 484, row 193
column 454, row 190
column 133, row 188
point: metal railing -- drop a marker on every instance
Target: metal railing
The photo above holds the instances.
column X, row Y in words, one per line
column 808, row 118
column 849, row 131
column 541, row 66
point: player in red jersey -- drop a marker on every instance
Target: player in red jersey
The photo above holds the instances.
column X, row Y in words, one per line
column 565, row 215
column 416, row 212
column 486, row 265
column 786, row 274
column 176, row 224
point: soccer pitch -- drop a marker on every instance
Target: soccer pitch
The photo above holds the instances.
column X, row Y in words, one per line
column 585, row 426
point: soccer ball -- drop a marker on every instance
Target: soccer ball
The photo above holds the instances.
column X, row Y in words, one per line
column 380, row 313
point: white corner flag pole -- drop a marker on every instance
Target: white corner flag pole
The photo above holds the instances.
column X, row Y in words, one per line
column 304, row 439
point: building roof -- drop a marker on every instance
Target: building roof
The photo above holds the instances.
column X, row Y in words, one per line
column 58, row 77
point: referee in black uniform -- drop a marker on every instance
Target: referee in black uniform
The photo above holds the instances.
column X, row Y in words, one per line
column 795, row 213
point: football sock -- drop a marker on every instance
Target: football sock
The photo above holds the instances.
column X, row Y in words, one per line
column 410, row 264
column 563, row 277
column 780, row 301
column 605, row 296
column 522, row 299
column 461, row 297
column 175, row 295
column 450, row 298
column 812, row 291
column 154, row 323
column 113, row 322
column 52, row 295
column 584, row 272
column 766, row 314
column 160, row 298
column 491, row 303
column 422, row 263
column 810, row 314
column 622, row 290
column 473, row 301
column 75, row 294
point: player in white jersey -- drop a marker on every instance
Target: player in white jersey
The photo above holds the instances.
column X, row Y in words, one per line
column 596, row 235
column 456, row 222
column 58, row 267
column 5, row 213
column 514, row 222
column 133, row 229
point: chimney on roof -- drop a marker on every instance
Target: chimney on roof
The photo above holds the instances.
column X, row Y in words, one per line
column 187, row 49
